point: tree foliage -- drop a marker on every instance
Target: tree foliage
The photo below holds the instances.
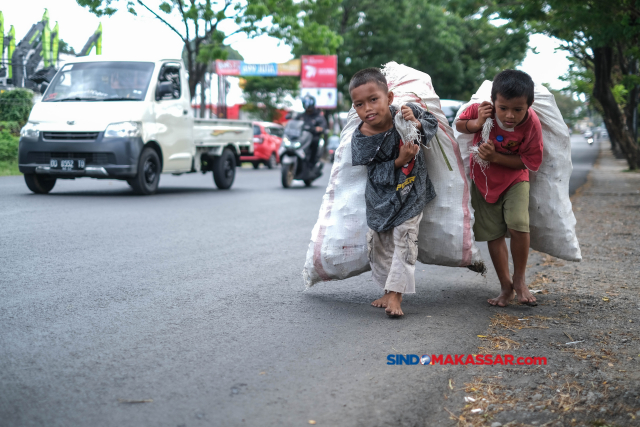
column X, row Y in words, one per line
column 65, row 47
column 603, row 39
column 457, row 47
column 309, row 32
column 265, row 95
column 572, row 109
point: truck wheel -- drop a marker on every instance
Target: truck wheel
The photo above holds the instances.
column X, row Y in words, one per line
column 148, row 177
column 287, row 175
column 39, row 184
column 308, row 182
column 272, row 163
column 256, row 164
column 224, row 169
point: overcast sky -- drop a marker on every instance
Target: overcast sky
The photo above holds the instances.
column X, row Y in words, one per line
column 124, row 32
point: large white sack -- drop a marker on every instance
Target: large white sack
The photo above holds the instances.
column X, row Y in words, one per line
column 551, row 219
column 338, row 247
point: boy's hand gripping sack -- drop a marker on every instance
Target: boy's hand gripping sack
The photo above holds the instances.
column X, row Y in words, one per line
column 338, row 247
column 551, row 219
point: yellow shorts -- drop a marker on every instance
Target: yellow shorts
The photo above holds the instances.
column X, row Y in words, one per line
column 511, row 211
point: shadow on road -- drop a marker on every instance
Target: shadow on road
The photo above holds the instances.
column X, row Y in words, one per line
column 129, row 193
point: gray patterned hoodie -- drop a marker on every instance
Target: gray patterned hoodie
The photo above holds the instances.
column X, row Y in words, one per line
column 394, row 195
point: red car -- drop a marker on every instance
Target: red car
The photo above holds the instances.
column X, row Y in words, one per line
column 267, row 138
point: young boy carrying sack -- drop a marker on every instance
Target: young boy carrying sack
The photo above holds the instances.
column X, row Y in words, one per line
column 500, row 189
column 398, row 185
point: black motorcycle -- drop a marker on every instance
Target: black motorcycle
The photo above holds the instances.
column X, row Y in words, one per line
column 295, row 153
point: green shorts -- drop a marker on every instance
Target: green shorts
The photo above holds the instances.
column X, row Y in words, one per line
column 511, row 211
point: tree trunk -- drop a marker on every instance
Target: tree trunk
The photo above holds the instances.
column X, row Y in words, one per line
column 631, row 109
column 222, row 97
column 203, row 95
column 196, row 73
column 614, row 147
column 614, row 118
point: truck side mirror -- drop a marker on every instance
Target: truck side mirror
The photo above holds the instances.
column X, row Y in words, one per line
column 43, row 87
column 289, row 115
column 164, row 88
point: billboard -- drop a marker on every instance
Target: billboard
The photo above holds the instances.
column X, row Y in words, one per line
column 319, row 78
column 241, row 68
column 318, row 75
column 319, row 71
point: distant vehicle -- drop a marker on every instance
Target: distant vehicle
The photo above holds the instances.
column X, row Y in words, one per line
column 332, row 146
column 588, row 134
column 450, row 108
column 296, row 150
column 115, row 118
column 267, row 138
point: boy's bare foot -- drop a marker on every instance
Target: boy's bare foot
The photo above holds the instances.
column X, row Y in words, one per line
column 502, row 300
column 382, row 302
column 522, row 290
column 393, row 305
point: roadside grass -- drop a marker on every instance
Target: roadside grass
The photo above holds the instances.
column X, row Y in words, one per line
column 8, row 168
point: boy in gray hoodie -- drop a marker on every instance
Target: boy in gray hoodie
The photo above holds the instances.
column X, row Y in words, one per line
column 398, row 184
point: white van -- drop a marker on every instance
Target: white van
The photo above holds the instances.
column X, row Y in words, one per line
column 122, row 119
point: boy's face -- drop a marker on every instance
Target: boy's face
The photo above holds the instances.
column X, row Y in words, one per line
column 372, row 104
column 511, row 112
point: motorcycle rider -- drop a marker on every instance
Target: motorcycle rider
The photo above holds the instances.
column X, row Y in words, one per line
column 315, row 121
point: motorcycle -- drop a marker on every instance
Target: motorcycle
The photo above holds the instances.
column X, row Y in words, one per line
column 589, row 137
column 295, row 151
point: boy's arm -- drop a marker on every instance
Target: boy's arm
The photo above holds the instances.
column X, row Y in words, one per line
column 529, row 155
column 488, row 152
column 475, row 124
column 428, row 122
column 383, row 173
column 407, row 153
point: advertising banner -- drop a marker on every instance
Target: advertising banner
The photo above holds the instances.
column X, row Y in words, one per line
column 289, row 68
column 319, row 71
column 228, row 68
column 241, row 68
column 258, row 69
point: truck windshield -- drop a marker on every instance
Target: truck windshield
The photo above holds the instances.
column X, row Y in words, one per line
column 101, row 81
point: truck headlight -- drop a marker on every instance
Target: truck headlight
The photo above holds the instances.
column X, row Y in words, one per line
column 123, row 130
column 30, row 130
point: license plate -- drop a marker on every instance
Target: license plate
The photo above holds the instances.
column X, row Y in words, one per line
column 67, row 164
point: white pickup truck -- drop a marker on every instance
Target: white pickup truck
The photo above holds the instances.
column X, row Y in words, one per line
column 122, row 119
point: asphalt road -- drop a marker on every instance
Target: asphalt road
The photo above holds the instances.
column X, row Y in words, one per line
column 193, row 298
column 583, row 155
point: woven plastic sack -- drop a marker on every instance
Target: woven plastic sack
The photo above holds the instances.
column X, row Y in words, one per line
column 551, row 220
column 338, row 247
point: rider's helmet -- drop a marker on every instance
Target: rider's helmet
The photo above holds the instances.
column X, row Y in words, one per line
column 308, row 102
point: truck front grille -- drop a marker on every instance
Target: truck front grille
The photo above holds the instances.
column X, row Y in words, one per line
column 70, row 136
